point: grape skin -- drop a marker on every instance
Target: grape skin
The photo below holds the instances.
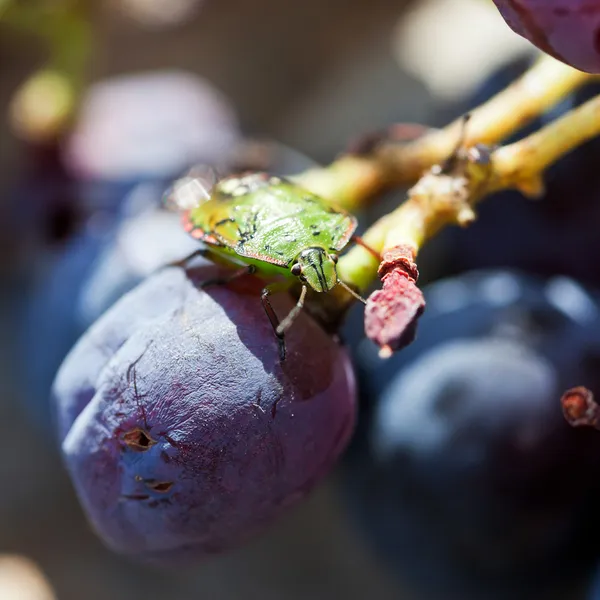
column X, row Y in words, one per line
column 464, row 475
column 567, row 29
column 230, row 435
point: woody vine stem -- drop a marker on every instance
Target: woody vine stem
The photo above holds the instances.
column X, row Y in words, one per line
column 446, row 194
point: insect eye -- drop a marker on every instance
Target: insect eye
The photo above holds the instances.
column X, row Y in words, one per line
column 334, row 257
column 297, row 269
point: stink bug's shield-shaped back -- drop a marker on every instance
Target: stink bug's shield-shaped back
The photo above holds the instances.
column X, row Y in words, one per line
column 268, row 220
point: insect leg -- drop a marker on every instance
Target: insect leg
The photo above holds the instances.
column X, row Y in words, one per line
column 183, row 262
column 264, row 298
column 287, row 322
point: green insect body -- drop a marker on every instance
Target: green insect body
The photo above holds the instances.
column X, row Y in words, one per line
column 274, row 225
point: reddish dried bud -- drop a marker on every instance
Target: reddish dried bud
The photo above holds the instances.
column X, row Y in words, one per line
column 580, row 409
column 399, row 257
column 392, row 312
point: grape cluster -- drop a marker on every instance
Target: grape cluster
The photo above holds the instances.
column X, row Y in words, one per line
column 567, row 29
column 183, row 432
column 464, row 475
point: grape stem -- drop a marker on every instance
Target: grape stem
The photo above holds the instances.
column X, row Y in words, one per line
column 521, row 165
column 353, row 180
column 447, row 194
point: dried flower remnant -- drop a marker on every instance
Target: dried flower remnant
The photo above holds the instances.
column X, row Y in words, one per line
column 391, row 314
column 580, row 408
column 443, row 195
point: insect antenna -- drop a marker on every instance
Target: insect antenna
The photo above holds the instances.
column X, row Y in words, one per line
column 351, row 291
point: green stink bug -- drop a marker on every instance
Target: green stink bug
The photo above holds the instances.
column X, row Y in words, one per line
column 270, row 225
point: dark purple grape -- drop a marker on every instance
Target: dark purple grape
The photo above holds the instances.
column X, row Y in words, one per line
column 109, row 257
column 134, row 134
column 41, row 210
column 465, row 476
column 182, row 430
column 567, row 29
column 50, row 323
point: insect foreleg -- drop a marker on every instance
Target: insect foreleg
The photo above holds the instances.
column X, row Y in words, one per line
column 264, row 298
column 183, row 262
column 287, row 322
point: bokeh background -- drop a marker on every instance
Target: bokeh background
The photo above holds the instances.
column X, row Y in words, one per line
column 103, row 104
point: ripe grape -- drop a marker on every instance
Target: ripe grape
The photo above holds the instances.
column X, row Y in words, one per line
column 110, row 256
column 133, row 135
column 567, row 29
column 183, row 432
column 465, row 476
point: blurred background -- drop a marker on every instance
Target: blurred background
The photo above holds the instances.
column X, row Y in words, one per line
column 457, row 485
